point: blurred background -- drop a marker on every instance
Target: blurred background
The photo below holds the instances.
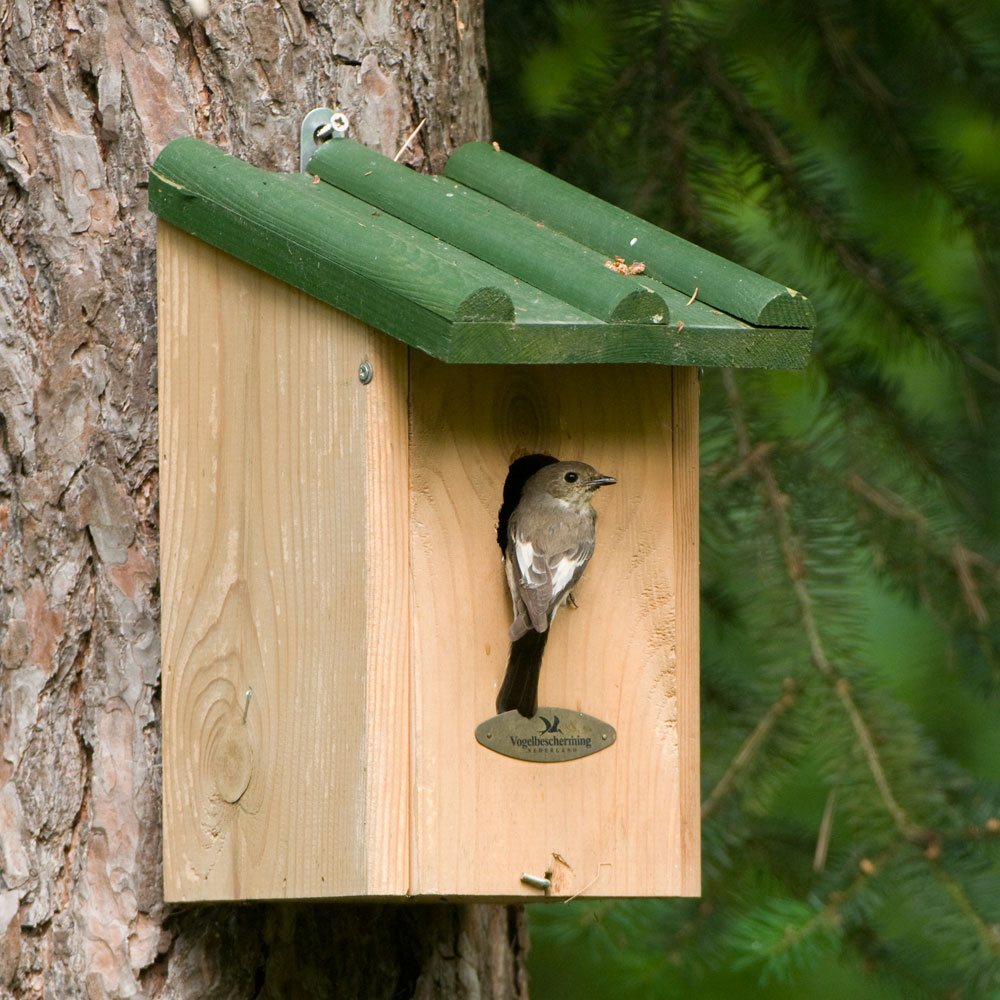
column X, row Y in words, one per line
column 849, row 524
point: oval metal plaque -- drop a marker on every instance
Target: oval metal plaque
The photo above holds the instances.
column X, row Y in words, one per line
column 548, row 737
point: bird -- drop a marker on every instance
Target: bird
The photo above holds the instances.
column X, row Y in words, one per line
column 550, row 539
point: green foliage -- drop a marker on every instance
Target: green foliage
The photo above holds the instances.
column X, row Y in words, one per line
column 850, row 552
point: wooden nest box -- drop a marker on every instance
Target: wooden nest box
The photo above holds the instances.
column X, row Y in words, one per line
column 350, row 361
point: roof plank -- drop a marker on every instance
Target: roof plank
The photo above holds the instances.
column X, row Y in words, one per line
column 490, row 231
column 754, row 347
column 615, row 232
column 451, row 271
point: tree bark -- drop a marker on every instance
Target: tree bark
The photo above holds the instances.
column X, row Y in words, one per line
column 89, row 94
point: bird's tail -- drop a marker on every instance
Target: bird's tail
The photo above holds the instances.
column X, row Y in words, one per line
column 520, row 684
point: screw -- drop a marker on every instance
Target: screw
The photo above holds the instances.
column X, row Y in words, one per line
column 535, row 881
column 365, row 372
column 338, row 124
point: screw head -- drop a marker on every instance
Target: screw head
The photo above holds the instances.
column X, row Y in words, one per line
column 365, row 372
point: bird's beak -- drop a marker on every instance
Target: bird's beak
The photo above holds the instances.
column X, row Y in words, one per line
column 601, row 481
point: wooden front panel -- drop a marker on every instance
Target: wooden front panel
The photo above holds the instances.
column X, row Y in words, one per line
column 283, row 510
column 624, row 821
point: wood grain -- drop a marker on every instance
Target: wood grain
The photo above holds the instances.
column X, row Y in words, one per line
column 387, row 696
column 687, row 390
column 620, row 822
column 330, row 547
column 267, row 461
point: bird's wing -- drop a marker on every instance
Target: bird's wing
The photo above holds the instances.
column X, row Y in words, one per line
column 522, row 623
column 543, row 578
column 533, row 580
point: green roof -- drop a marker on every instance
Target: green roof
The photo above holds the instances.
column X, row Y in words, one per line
column 496, row 262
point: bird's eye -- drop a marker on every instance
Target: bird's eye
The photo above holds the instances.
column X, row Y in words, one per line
column 571, row 477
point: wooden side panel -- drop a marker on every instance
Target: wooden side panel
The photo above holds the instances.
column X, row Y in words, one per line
column 266, row 576
column 620, row 822
column 387, row 694
column 687, row 390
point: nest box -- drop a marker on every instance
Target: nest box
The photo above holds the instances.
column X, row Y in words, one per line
column 350, row 361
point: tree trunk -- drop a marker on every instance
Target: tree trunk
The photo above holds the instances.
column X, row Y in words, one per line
column 89, row 94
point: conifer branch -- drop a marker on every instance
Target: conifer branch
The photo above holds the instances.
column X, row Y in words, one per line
column 794, row 561
column 959, row 559
column 872, row 273
column 750, row 747
column 989, row 934
column 862, row 78
column 755, row 459
column 881, row 102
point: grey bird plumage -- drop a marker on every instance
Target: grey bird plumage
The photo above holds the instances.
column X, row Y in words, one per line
column 550, row 539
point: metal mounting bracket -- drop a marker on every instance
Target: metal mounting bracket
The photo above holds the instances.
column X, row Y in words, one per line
column 318, row 126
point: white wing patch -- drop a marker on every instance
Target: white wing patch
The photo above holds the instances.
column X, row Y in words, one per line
column 562, row 574
column 524, row 553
